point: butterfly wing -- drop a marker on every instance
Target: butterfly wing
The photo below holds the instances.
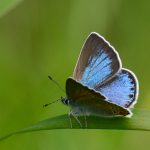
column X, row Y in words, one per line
column 122, row 89
column 98, row 62
column 91, row 102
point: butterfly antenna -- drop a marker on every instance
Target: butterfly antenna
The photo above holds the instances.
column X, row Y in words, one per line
column 45, row 105
column 56, row 83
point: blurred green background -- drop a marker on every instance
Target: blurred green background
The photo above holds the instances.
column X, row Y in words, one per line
column 39, row 38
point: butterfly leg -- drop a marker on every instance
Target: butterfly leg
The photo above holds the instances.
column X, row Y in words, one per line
column 77, row 120
column 69, row 115
column 85, row 120
column 73, row 114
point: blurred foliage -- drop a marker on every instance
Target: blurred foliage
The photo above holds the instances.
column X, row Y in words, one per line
column 7, row 5
column 38, row 38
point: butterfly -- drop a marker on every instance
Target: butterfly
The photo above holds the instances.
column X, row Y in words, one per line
column 100, row 86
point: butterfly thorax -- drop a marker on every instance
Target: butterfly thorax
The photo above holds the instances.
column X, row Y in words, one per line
column 76, row 109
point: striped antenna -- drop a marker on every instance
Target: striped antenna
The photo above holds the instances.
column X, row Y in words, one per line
column 45, row 105
column 56, row 83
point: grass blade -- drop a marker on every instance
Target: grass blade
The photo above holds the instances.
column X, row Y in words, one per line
column 140, row 121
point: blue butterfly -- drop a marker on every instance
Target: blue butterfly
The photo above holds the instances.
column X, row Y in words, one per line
column 100, row 86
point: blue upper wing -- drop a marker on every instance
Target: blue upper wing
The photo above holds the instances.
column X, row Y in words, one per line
column 98, row 62
column 122, row 89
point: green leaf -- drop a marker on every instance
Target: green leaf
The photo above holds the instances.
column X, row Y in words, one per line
column 140, row 121
column 7, row 5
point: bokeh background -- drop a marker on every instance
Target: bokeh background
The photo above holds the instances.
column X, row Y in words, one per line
column 38, row 38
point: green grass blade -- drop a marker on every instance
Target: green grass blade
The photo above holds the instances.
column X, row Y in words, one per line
column 7, row 5
column 140, row 121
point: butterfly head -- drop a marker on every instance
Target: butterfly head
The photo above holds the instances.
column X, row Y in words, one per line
column 65, row 100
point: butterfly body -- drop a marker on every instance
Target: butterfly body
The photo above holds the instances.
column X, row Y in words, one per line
column 100, row 86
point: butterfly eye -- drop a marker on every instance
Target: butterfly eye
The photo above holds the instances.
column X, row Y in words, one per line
column 65, row 101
